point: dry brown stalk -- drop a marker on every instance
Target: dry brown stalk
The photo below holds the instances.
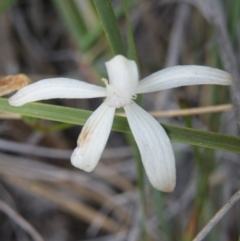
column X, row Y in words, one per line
column 67, row 204
column 189, row 111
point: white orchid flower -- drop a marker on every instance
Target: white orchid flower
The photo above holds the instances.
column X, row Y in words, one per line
column 154, row 145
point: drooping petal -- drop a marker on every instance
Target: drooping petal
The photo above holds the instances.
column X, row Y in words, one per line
column 56, row 88
column 154, row 146
column 123, row 81
column 93, row 138
column 183, row 75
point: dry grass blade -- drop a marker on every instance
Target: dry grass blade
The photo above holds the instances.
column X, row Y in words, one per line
column 117, row 179
column 57, row 153
column 34, row 170
column 192, row 111
column 20, row 221
column 79, row 185
column 67, row 204
column 218, row 216
column 9, row 116
column 189, row 111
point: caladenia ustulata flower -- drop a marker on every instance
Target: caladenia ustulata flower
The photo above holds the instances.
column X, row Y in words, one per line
column 153, row 143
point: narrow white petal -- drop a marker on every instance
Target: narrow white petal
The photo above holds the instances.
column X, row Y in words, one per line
column 123, row 81
column 93, row 138
column 154, row 146
column 183, row 75
column 56, row 88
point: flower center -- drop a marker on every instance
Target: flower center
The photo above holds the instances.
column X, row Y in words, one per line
column 115, row 98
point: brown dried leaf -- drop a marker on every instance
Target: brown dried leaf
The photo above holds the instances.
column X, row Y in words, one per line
column 12, row 83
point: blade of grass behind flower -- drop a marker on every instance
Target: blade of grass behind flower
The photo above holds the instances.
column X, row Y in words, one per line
column 234, row 15
column 72, row 16
column 85, row 38
column 95, row 33
column 78, row 117
column 110, row 25
column 132, row 53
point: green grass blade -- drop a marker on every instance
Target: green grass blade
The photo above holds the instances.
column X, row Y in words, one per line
column 5, row 4
column 110, row 25
column 132, row 53
column 79, row 117
column 73, row 18
column 234, row 16
column 84, row 39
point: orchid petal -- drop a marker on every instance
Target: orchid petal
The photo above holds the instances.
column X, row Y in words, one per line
column 56, row 88
column 123, row 81
column 154, row 146
column 93, row 138
column 181, row 76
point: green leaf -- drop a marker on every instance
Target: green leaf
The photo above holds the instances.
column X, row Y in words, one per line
column 110, row 25
column 79, row 117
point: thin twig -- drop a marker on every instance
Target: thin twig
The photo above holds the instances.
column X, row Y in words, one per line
column 217, row 217
column 20, row 221
column 192, row 111
column 189, row 111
